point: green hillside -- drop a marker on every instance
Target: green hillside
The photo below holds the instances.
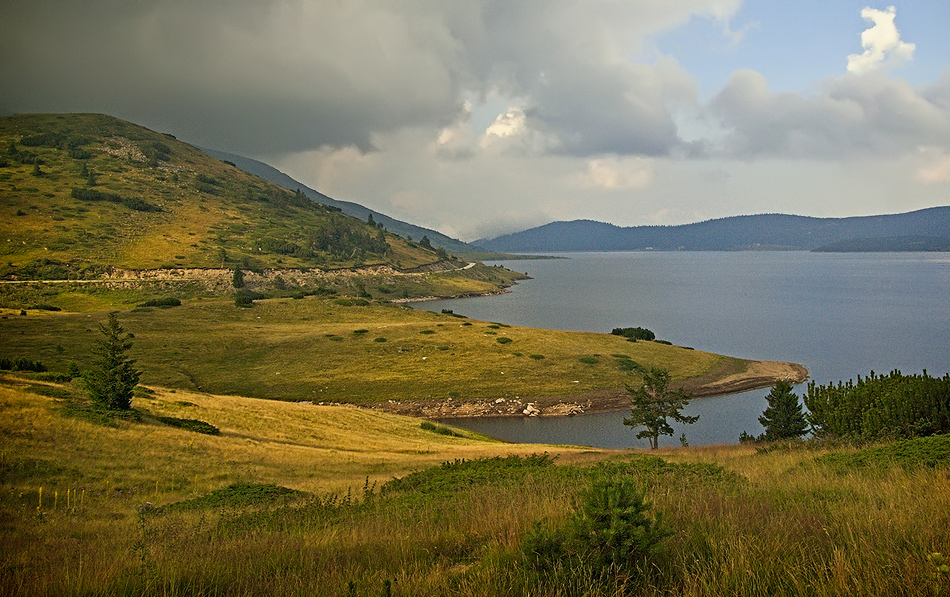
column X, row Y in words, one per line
column 80, row 193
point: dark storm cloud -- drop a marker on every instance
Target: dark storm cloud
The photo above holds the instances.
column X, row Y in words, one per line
column 264, row 77
column 252, row 76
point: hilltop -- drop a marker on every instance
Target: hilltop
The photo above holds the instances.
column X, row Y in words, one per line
column 92, row 197
column 754, row 232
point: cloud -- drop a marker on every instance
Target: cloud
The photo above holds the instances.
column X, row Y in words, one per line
column 851, row 116
column 264, row 78
column 613, row 173
column 882, row 43
column 936, row 169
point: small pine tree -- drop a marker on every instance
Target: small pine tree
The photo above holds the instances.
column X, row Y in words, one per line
column 113, row 377
column 783, row 418
column 238, row 279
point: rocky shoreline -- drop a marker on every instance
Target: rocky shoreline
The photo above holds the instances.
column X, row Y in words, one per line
column 758, row 374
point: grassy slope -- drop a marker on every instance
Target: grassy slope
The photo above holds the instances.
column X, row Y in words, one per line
column 316, row 349
column 41, row 220
column 780, row 522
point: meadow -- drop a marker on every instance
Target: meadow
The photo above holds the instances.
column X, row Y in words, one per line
column 353, row 351
column 295, row 499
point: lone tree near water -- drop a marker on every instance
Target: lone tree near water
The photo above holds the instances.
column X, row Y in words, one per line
column 653, row 403
column 113, row 377
column 783, row 418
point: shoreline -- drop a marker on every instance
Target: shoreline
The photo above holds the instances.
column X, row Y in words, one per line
column 758, row 375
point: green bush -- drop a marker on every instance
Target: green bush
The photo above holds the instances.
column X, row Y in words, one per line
column 536, row 357
column 21, row 364
column 348, row 302
column 504, row 340
column 589, row 360
column 191, row 425
column 163, row 302
column 634, row 333
column 439, row 429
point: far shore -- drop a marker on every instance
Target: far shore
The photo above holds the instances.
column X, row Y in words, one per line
column 758, row 375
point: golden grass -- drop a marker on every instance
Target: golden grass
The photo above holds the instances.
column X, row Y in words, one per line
column 315, row 349
column 769, row 523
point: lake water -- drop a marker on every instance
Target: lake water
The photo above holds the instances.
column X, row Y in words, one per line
column 839, row 314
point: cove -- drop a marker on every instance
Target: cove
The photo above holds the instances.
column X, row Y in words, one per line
column 839, row 314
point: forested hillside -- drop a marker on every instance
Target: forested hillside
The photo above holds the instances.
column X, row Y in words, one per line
column 756, row 232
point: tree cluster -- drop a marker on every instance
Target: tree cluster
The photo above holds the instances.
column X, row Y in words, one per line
column 634, row 333
column 893, row 405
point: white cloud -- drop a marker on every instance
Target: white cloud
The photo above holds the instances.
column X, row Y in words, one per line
column 615, row 173
column 936, row 168
column 881, row 42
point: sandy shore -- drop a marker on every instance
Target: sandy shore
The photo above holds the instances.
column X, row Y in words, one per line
column 758, row 374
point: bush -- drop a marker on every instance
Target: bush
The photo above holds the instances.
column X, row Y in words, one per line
column 358, row 302
column 243, row 300
column 439, row 429
column 163, row 302
column 21, row 364
column 589, row 360
column 191, row 425
column 504, row 340
column 634, row 333
column 536, row 357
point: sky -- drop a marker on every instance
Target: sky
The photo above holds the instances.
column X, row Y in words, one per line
column 483, row 117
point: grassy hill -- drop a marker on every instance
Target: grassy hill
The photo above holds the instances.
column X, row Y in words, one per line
column 341, row 350
column 294, row 499
column 85, row 192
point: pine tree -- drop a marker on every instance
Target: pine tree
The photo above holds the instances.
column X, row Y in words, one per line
column 783, row 418
column 113, row 376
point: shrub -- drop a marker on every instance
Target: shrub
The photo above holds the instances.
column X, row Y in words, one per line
column 346, row 302
column 380, row 340
column 634, row 333
column 360, row 331
column 536, row 357
column 21, row 364
column 439, row 429
column 589, row 360
column 503, row 340
column 243, row 300
column 191, row 425
column 163, row 302
column 45, row 307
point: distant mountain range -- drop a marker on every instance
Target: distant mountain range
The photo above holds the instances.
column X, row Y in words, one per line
column 922, row 230
column 271, row 174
